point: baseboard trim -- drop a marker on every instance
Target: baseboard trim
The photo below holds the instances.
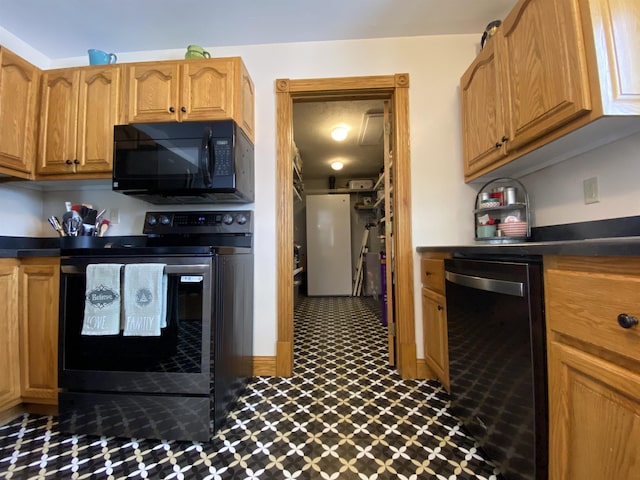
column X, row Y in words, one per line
column 264, row 366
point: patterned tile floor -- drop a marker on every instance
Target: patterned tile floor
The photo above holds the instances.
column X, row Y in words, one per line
column 343, row 414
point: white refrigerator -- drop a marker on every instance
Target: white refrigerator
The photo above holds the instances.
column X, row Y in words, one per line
column 328, row 245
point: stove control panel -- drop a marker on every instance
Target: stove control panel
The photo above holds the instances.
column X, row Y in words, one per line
column 202, row 222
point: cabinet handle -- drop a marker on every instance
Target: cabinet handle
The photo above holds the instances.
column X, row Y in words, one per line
column 440, row 308
column 426, row 274
column 76, row 161
column 172, row 110
column 501, row 142
column 68, row 162
column 627, row 321
column 183, row 109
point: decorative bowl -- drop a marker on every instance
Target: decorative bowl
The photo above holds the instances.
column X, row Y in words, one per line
column 486, row 231
column 491, row 203
column 513, row 229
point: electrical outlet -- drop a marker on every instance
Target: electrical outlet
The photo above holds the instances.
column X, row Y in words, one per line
column 114, row 216
column 591, row 190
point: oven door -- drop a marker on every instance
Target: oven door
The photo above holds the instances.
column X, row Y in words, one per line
column 177, row 361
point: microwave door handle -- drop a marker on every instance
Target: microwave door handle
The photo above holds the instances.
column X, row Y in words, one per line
column 206, row 154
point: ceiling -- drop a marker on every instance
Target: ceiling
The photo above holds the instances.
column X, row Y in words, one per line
column 361, row 152
column 67, row 28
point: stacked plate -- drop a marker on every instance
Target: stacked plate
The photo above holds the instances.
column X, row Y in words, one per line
column 513, row 229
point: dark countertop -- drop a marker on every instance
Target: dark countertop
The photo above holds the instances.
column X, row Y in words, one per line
column 29, row 252
column 618, row 246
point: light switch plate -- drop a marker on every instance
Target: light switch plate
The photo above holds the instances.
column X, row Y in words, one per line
column 590, row 186
column 114, row 216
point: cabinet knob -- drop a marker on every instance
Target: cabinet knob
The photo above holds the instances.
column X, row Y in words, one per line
column 172, row 110
column 501, row 142
column 68, row 162
column 440, row 308
column 183, row 109
column 426, row 274
column 76, row 161
column 627, row 321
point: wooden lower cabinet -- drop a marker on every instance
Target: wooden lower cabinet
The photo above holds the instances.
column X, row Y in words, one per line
column 434, row 331
column 434, row 317
column 9, row 339
column 39, row 285
column 593, row 367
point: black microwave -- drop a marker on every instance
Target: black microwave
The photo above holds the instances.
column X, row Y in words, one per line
column 186, row 162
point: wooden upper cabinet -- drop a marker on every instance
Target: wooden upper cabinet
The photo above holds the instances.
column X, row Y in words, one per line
column 58, row 116
column 616, row 36
column 19, row 82
column 80, row 106
column 98, row 111
column 153, row 92
column 545, row 68
column 191, row 90
column 484, row 126
column 560, row 66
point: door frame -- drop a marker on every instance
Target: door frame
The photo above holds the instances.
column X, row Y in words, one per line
column 385, row 87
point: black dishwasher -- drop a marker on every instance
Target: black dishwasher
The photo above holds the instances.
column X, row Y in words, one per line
column 497, row 355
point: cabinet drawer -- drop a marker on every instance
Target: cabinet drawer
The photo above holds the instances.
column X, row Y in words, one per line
column 585, row 305
column 432, row 273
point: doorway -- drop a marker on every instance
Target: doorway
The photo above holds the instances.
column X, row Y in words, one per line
column 393, row 88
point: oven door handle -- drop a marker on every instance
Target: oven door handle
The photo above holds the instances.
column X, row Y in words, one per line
column 487, row 284
column 168, row 269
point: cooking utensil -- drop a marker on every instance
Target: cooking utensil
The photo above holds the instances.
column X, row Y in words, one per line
column 56, row 225
column 71, row 222
column 104, row 226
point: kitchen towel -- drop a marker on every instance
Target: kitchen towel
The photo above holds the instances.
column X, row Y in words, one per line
column 144, row 299
column 102, row 299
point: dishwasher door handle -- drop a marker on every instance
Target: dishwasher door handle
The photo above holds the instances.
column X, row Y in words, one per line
column 487, row 284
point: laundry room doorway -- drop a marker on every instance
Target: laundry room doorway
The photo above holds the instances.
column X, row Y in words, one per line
column 393, row 89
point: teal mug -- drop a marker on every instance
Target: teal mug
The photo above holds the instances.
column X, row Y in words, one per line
column 196, row 52
column 98, row 57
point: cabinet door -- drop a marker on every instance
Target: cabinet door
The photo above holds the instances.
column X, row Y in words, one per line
column 434, row 332
column 207, row 89
column 9, row 339
column 617, row 37
column 153, row 92
column 247, row 102
column 594, row 417
column 58, row 117
column 483, row 114
column 545, row 68
column 98, row 110
column 39, row 290
column 18, row 103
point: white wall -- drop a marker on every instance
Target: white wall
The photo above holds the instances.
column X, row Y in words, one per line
column 441, row 202
column 21, row 212
column 556, row 193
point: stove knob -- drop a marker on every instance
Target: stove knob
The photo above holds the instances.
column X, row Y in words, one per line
column 151, row 220
column 227, row 219
column 164, row 220
column 241, row 219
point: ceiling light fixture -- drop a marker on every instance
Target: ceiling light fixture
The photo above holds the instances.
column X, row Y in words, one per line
column 337, row 165
column 339, row 133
